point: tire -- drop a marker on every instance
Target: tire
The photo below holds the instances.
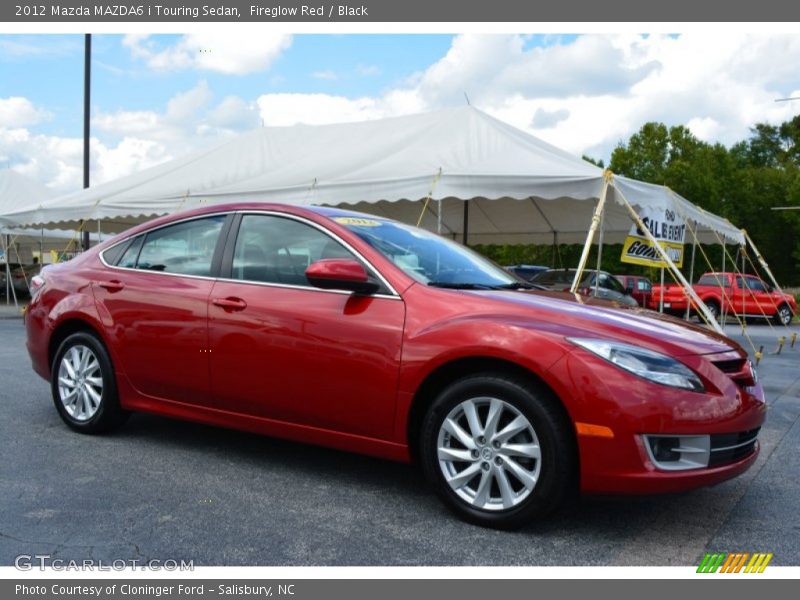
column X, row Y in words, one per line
column 783, row 316
column 84, row 387
column 713, row 308
column 535, row 484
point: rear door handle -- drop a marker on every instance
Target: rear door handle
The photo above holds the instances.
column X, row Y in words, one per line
column 112, row 286
column 230, row 303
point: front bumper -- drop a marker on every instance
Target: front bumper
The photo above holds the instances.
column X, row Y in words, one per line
column 596, row 392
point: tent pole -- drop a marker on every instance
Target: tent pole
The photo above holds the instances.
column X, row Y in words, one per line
column 599, row 253
column 598, row 211
column 671, row 265
column 439, row 219
column 9, row 283
column 724, row 306
column 661, row 293
column 466, row 222
column 744, row 281
column 8, row 270
column 691, row 275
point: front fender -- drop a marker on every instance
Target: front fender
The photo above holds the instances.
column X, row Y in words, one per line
column 490, row 336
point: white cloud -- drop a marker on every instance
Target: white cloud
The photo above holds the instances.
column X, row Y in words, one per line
column 236, row 53
column 584, row 96
column 315, row 109
column 543, row 119
column 17, row 111
column 588, row 94
column 125, row 141
column 235, row 114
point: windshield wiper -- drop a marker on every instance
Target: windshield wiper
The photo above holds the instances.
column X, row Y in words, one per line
column 461, row 286
column 516, row 285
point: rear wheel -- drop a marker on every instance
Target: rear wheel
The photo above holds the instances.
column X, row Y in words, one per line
column 83, row 385
column 498, row 450
column 784, row 315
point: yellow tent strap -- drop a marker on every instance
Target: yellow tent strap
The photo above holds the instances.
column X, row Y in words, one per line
column 756, row 271
column 744, row 283
column 81, row 225
column 435, row 180
column 705, row 320
column 710, row 266
column 185, row 197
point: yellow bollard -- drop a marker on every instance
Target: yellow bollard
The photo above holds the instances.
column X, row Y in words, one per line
column 781, row 342
column 794, row 339
column 759, row 354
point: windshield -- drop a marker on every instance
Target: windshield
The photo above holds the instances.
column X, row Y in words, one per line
column 427, row 257
column 610, row 283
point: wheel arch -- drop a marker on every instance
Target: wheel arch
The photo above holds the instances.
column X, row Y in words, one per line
column 451, row 371
column 66, row 328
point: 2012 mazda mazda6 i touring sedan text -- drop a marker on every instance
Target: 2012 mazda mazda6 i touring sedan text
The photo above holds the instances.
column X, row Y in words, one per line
column 364, row 334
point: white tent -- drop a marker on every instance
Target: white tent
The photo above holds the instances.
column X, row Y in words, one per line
column 519, row 189
column 18, row 193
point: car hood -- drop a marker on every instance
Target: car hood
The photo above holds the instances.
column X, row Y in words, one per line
column 578, row 316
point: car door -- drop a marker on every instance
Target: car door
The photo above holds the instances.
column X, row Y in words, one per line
column 153, row 298
column 745, row 301
column 602, row 286
column 763, row 302
column 285, row 350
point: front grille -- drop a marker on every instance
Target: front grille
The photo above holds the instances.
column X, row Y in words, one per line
column 731, row 366
column 739, row 370
column 732, row 447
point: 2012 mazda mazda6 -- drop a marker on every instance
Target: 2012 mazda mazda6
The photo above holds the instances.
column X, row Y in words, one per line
column 360, row 333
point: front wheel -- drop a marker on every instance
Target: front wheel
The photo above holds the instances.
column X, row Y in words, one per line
column 498, row 450
column 83, row 385
column 783, row 316
column 713, row 308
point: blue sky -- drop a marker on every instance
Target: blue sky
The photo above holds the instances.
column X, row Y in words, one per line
column 157, row 97
column 48, row 70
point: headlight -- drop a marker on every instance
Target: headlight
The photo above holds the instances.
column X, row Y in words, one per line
column 654, row 366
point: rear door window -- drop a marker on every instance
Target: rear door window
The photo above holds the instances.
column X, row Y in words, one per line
column 184, row 248
column 128, row 258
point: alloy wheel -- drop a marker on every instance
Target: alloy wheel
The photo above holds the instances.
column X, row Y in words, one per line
column 489, row 453
column 80, row 383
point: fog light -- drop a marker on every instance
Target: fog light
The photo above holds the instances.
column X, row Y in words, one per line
column 678, row 452
column 663, row 449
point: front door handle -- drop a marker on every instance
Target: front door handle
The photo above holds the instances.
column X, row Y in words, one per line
column 112, row 286
column 230, row 303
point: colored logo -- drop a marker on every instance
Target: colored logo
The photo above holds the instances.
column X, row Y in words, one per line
column 734, row 562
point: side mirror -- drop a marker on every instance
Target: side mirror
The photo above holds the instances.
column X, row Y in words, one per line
column 341, row 274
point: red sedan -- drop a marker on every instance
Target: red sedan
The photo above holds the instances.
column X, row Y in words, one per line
column 360, row 333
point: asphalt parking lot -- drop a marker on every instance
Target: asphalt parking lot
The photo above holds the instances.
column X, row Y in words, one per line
column 164, row 489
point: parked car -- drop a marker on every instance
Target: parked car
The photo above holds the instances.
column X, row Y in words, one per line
column 4, row 278
column 594, row 283
column 744, row 296
column 22, row 276
column 637, row 287
column 367, row 335
column 526, row 272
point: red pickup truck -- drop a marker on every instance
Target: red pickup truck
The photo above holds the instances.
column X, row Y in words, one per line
column 745, row 296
